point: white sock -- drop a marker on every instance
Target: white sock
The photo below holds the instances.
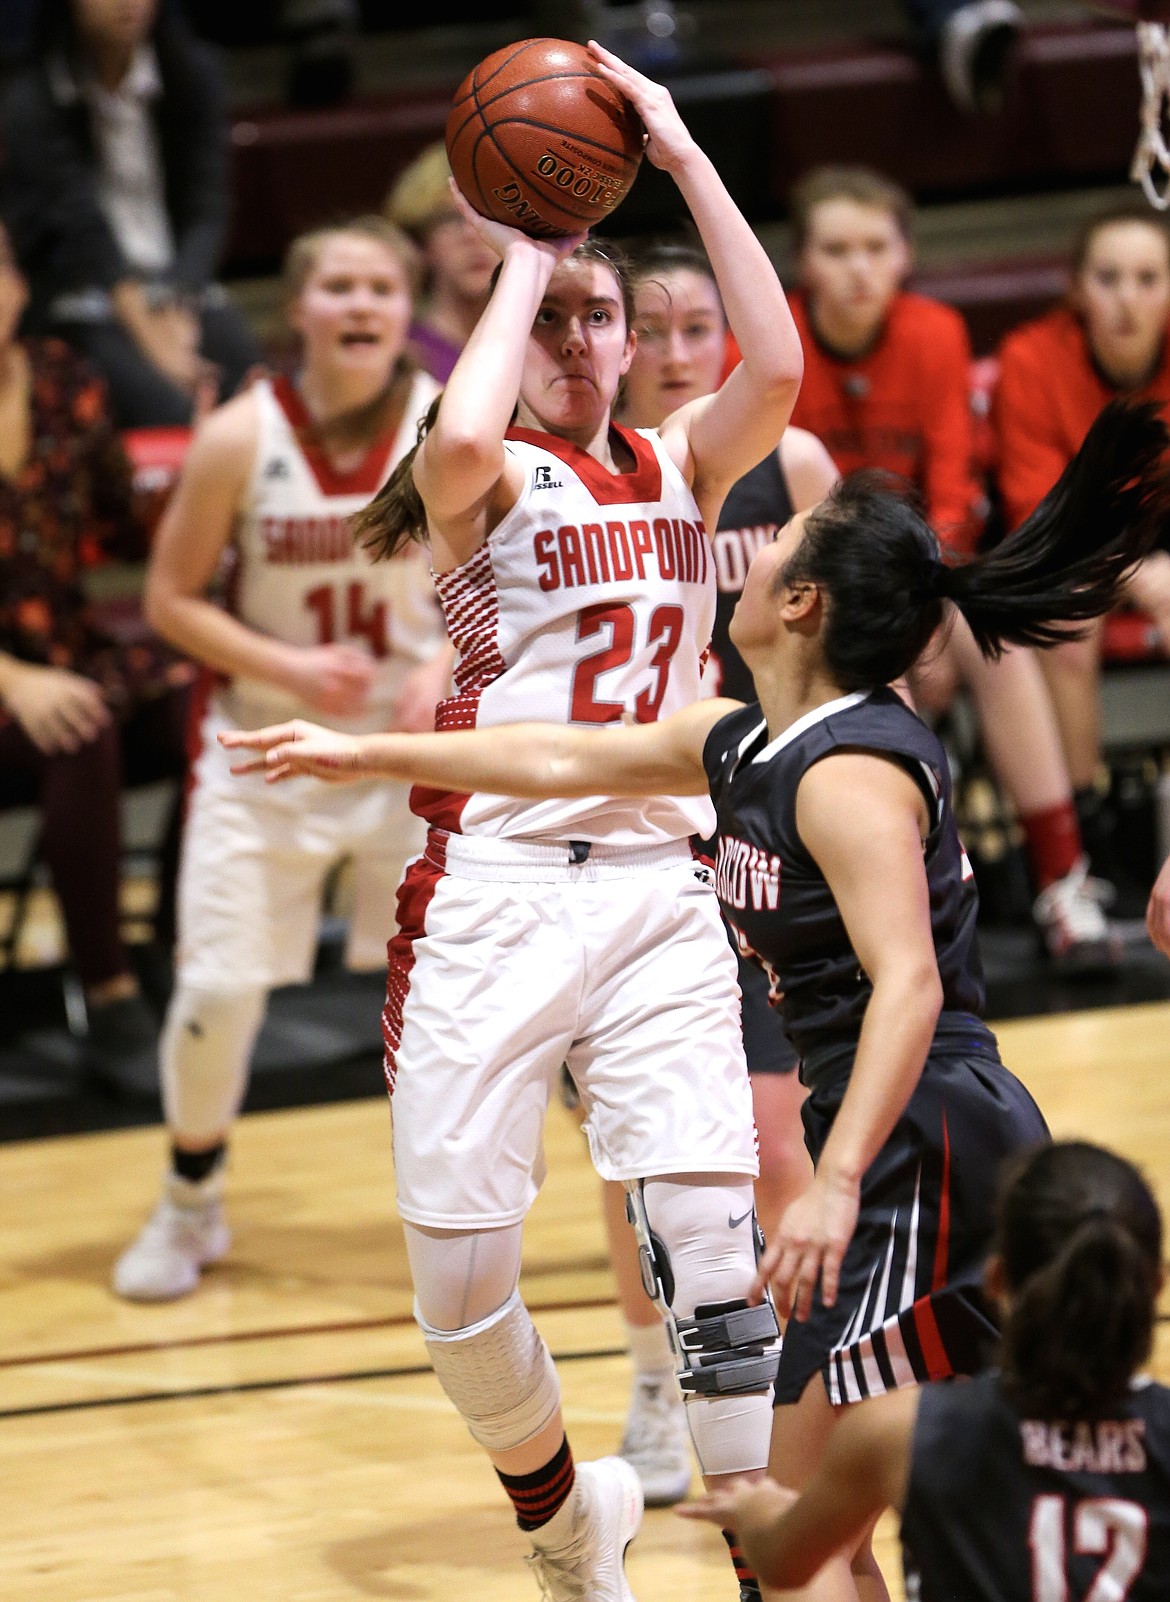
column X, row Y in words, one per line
column 649, row 1348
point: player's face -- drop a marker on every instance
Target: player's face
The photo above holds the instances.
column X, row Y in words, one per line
column 123, row 22
column 354, row 308
column 681, row 339
column 756, row 623
column 853, row 263
column 1123, row 293
column 578, row 351
column 13, row 293
column 459, row 260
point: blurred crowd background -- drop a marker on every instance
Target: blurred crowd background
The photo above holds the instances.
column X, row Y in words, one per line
column 158, row 159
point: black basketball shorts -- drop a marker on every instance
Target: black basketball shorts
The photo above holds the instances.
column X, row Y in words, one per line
column 910, row 1306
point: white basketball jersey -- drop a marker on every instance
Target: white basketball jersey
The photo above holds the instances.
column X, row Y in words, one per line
column 298, row 574
column 591, row 602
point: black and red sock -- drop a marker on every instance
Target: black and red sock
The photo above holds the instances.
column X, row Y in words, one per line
column 749, row 1586
column 537, row 1496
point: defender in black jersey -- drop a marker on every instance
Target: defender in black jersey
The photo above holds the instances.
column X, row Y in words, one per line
column 1047, row 1480
column 842, row 868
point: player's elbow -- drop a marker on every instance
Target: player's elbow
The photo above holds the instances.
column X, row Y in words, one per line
column 462, row 449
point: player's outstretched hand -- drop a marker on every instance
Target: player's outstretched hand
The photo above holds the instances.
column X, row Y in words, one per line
column 739, row 1502
column 814, row 1232
column 1158, row 911
column 500, row 236
column 667, row 141
column 291, row 750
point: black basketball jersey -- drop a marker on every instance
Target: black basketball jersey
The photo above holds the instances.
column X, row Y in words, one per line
column 775, row 896
column 756, row 506
column 1004, row 1509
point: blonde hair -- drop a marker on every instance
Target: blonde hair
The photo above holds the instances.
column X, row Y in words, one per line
column 419, row 195
column 304, row 253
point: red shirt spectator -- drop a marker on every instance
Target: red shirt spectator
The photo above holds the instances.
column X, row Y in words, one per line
column 903, row 406
column 1050, row 390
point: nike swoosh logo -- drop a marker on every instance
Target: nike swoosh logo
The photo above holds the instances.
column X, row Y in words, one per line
column 734, row 1223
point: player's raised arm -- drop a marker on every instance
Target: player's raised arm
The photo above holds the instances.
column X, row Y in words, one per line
column 460, row 463
column 720, row 437
column 520, row 759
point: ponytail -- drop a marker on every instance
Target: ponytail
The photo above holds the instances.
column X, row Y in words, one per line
column 1068, row 561
column 1081, row 1242
column 1080, row 1327
column 396, row 515
column 880, row 568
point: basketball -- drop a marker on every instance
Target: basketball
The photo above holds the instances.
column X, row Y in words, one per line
column 536, row 138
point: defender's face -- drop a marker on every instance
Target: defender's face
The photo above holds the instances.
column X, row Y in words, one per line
column 756, row 623
column 1123, row 294
column 681, row 341
column 853, row 262
column 578, row 351
column 354, row 308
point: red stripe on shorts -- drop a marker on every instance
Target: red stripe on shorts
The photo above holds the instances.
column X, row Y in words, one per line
column 938, row 1364
column 414, row 897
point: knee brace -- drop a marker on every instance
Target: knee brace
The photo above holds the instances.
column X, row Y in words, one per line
column 725, row 1348
column 498, row 1373
column 205, row 1052
column 698, row 1245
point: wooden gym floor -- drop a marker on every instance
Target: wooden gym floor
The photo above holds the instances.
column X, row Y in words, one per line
column 279, row 1434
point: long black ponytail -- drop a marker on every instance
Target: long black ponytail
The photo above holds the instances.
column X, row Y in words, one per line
column 1080, row 1238
column 886, row 584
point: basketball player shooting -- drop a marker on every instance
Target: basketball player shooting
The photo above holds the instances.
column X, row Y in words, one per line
column 577, row 580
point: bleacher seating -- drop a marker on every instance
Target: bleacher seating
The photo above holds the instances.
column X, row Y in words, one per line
column 765, row 117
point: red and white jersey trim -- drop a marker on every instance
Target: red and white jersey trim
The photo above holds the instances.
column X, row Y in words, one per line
column 592, row 600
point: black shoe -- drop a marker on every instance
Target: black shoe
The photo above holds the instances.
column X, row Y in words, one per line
column 749, row 1591
column 122, row 1048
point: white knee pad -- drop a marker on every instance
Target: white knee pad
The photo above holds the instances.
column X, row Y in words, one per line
column 498, row 1373
column 205, row 1052
column 697, row 1238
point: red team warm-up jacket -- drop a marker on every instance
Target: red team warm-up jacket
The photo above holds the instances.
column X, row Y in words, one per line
column 903, row 406
column 1048, row 394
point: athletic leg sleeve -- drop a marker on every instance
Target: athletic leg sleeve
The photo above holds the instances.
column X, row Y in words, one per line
column 486, row 1351
column 705, row 1224
column 205, row 1052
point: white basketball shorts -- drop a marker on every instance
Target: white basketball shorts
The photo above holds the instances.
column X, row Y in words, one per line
column 511, row 960
column 254, row 862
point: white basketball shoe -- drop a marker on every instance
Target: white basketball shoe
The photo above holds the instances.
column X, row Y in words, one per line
column 589, row 1563
column 185, row 1232
column 656, row 1441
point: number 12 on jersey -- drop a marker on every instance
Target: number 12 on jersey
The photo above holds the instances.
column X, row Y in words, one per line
column 1101, row 1526
column 620, row 624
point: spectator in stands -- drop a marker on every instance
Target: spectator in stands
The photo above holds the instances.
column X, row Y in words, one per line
column 1056, row 373
column 79, row 712
column 459, row 266
column 115, row 197
column 317, row 629
column 886, row 384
